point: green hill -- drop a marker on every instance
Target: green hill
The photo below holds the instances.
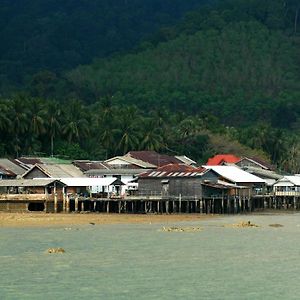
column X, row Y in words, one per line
column 58, row 35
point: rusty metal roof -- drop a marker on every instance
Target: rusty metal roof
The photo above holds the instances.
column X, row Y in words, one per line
column 86, row 165
column 11, row 167
column 153, row 158
column 173, row 170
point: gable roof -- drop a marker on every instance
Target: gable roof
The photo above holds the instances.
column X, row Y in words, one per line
column 295, row 180
column 10, row 167
column 153, row 158
column 57, row 170
column 257, row 161
column 235, row 174
column 132, row 161
column 222, row 158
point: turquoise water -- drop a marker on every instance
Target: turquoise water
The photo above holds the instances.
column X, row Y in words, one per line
column 140, row 262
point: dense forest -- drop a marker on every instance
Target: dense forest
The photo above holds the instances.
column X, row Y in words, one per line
column 224, row 78
column 58, row 35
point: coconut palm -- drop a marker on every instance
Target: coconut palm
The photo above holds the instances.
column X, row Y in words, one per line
column 53, row 122
column 76, row 126
column 152, row 138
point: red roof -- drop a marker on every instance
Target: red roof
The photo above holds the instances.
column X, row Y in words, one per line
column 154, row 158
column 222, row 158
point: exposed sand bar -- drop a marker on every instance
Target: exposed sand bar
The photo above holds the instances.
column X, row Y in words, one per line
column 43, row 219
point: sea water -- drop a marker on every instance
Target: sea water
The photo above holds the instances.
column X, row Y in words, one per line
column 141, row 262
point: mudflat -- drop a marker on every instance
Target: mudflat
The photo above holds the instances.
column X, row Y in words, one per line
column 61, row 219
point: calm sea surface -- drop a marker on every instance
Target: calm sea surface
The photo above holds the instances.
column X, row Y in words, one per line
column 140, row 262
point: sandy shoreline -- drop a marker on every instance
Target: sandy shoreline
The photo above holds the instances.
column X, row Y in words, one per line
column 45, row 220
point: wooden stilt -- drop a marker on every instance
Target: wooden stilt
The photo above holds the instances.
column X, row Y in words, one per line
column 76, row 204
column 64, row 198
column 107, row 206
column 67, row 204
column 82, row 205
column 167, row 207
column 179, row 203
column 55, row 198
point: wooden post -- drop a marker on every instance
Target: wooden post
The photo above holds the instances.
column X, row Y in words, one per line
column 76, row 203
column 222, row 205
column 235, row 205
column 107, row 206
column 64, row 198
column 179, row 203
column 82, row 205
column 67, row 204
column 158, row 206
column 119, row 206
column 201, row 206
column 55, row 198
column 167, row 207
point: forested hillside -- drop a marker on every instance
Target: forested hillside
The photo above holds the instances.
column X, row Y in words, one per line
column 224, row 79
column 59, row 35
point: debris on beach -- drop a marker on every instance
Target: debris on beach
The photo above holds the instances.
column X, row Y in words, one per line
column 56, row 250
column 275, row 225
column 242, row 224
column 180, row 229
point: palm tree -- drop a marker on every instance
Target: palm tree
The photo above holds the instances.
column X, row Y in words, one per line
column 37, row 114
column 76, row 125
column 128, row 131
column 53, row 122
column 19, row 114
column 152, row 138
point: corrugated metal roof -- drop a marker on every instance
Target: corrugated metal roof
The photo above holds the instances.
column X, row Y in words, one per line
column 262, row 172
column 85, row 182
column 235, row 174
column 186, row 160
column 58, row 170
column 153, row 158
column 174, row 170
column 26, row 182
column 295, row 180
column 87, row 165
column 258, row 161
column 10, row 166
column 114, row 172
column 133, row 161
